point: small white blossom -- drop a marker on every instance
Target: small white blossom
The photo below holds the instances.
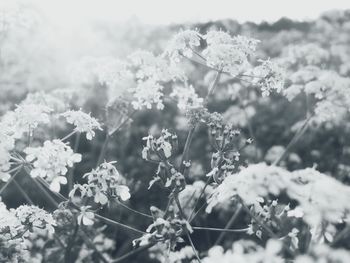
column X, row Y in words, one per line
column 25, row 118
column 269, row 77
column 35, row 217
column 147, row 93
column 83, row 122
column 103, row 184
column 183, row 43
column 187, row 97
column 86, row 217
column 50, row 162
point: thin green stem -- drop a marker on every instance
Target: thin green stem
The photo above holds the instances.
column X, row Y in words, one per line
column 21, row 190
column 229, row 224
column 133, row 210
column 71, row 171
column 221, row 229
column 16, row 170
column 294, row 140
column 69, row 135
column 133, row 252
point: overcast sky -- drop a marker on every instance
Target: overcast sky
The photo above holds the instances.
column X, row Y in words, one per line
column 166, row 11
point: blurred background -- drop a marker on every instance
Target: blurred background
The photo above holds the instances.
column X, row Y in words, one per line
column 43, row 42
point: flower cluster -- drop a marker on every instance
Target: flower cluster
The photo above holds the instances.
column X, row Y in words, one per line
column 182, row 44
column 35, row 217
column 187, row 97
column 6, row 145
column 50, row 162
column 246, row 251
column 83, row 122
column 323, row 253
column 104, row 184
column 269, row 76
column 166, row 228
column 226, row 53
column 312, row 190
column 25, row 118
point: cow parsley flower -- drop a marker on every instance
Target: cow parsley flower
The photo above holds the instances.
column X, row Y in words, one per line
column 148, row 66
column 86, row 217
column 255, row 181
column 104, row 183
column 306, row 54
column 324, row 253
column 269, row 77
column 6, row 145
column 83, row 122
column 35, row 217
column 26, row 117
column 226, row 53
column 183, row 43
column 50, row 162
column 147, row 93
column 246, row 251
column 187, row 97
column 315, row 191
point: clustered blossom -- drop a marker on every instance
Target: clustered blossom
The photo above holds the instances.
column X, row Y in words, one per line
column 312, row 190
column 14, row 224
column 147, row 93
column 222, row 52
column 186, row 97
column 255, row 181
column 166, row 228
column 50, row 162
column 160, row 150
column 246, row 251
column 150, row 73
column 324, row 253
column 183, row 43
column 57, row 99
column 269, row 77
column 164, row 145
column 12, row 245
column 6, row 145
column 306, row 54
column 35, row 217
column 226, row 53
column 160, row 253
column 25, row 118
column 104, row 183
column 83, row 122
column 328, row 90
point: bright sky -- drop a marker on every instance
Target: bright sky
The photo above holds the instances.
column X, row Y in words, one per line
column 166, row 11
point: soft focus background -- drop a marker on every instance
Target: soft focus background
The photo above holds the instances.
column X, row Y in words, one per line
column 42, row 44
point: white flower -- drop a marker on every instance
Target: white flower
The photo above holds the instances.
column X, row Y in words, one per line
column 306, row 54
column 255, row 181
column 187, row 97
column 83, row 122
column 147, row 66
column 51, row 160
column 246, row 251
column 226, row 53
column 312, row 190
column 269, row 77
column 183, row 44
column 147, row 93
column 103, row 184
column 25, row 118
column 35, row 217
column 85, row 217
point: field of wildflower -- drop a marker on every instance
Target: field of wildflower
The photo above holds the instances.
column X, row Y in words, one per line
column 202, row 143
